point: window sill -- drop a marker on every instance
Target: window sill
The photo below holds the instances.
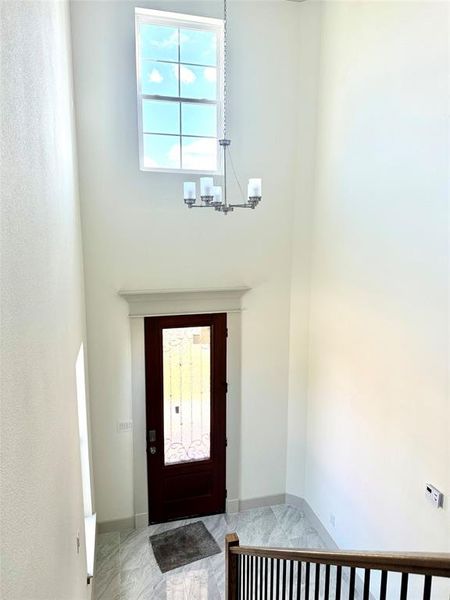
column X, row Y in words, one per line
column 218, row 172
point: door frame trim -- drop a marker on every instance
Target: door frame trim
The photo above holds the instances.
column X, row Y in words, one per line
column 160, row 303
column 137, row 438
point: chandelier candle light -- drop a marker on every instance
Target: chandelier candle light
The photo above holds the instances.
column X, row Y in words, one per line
column 212, row 196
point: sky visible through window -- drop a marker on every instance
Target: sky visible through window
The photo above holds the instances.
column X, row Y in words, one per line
column 178, row 73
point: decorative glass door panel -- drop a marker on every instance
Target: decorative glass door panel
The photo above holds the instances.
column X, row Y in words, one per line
column 187, row 394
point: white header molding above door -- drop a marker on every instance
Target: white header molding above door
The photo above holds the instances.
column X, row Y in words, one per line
column 154, row 303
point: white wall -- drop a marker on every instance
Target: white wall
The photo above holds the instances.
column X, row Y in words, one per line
column 309, row 35
column 42, row 310
column 378, row 423
column 139, row 235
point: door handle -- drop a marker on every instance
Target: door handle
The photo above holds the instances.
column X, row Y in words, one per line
column 152, row 449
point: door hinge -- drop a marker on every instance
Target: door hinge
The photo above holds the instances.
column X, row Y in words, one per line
column 226, row 387
column 226, row 442
column 227, row 332
column 226, row 493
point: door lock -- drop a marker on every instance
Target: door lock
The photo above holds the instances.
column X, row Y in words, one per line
column 152, row 449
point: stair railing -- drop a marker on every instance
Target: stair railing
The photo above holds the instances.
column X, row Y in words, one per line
column 255, row 573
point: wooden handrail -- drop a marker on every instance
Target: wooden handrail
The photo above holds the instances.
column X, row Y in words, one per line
column 408, row 563
column 434, row 564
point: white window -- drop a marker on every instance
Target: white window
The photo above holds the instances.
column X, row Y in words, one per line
column 179, row 66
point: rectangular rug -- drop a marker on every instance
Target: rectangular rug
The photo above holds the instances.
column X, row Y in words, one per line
column 183, row 545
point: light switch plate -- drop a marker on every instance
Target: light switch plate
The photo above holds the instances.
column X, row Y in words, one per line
column 123, row 426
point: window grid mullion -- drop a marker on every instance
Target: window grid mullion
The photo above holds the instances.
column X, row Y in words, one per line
column 178, row 99
column 189, row 135
column 180, row 102
column 179, row 61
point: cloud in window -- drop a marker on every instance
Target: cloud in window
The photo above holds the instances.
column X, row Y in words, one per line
column 200, row 154
column 169, row 42
column 186, row 74
column 210, row 74
column 149, row 162
column 155, row 76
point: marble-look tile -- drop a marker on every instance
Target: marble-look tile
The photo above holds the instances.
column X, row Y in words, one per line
column 257, row 528
column 106, row 544
column 107, row 588
column 139, row 583
column 217, row 567
column 217, row 527
column 107, row 576
column 107, row 580
column 127, row 568
column 291, row 520
column 195, row 583
column 313, row 539
column 135, row 551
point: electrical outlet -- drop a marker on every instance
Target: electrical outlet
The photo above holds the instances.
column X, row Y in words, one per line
column 332, row 520
column 124, row 426
column 434, row 495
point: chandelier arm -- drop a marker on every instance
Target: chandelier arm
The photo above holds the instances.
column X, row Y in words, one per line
column 235, row 176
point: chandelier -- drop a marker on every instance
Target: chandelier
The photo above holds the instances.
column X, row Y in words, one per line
column 212, row 196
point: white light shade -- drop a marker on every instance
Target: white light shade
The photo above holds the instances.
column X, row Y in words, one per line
column 190, row 191
column 206, row 186
column 254, row 188
column 217, row 193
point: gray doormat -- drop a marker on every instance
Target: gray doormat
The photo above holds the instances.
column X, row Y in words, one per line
column 183, row 545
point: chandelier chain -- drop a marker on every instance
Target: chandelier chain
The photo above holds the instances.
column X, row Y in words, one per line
column 225, row 57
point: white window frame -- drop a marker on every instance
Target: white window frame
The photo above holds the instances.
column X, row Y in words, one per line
column 173, row 19
column 90, row 518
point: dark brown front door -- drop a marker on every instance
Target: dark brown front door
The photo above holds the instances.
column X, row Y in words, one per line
column 185, row 369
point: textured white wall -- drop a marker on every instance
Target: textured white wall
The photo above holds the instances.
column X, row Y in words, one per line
column 138, row 234
column 378, row 423
column 42, row 310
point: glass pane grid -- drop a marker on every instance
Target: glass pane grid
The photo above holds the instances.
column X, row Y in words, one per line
column 178, row 65
column 187, row 394
column 161, row 151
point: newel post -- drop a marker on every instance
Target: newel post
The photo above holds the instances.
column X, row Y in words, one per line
column 231, row 567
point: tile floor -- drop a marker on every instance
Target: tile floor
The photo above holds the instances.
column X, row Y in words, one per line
column 126, row 568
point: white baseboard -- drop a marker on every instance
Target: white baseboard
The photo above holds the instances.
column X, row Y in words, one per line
column 126, row 524
column 232, row 506
column 141, row 520
column 261, row 501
